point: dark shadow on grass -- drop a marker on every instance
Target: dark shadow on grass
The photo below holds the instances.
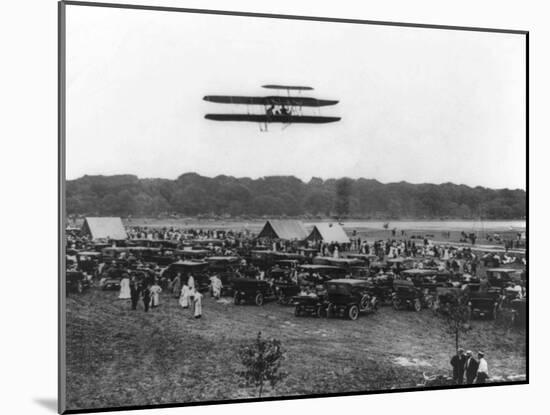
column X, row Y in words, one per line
column 48, row 403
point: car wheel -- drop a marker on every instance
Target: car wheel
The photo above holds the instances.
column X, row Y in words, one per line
column 429, row 303
column 353, row 312
column 259, row 300
column 236, row 299
column 417, row 305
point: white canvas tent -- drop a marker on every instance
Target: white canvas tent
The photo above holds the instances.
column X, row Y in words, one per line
column 329, row 232
column 283, row 229
column 104, row 228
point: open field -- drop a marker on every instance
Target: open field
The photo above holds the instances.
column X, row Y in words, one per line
column 117, row 357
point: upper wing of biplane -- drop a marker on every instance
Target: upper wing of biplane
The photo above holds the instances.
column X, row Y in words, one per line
column 271, row 100
column 288, row 87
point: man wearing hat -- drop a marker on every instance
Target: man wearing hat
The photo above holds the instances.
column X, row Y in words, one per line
column 470, row 367
column 482, row 370
column 458, row 363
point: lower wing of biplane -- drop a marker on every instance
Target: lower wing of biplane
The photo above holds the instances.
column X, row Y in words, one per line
column 286, row 119
column 274, row 109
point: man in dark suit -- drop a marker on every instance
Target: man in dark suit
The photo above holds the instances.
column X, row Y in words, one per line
column 458, row 363
column 135, row 291
column 470, row 367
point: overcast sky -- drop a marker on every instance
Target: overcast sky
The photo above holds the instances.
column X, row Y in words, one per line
column 419, row 105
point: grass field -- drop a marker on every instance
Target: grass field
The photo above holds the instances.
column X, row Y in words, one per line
column 118, row 357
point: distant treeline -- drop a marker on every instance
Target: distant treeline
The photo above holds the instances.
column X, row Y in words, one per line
column 225, row 196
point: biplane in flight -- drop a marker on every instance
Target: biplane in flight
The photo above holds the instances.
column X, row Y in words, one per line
column 276, row 108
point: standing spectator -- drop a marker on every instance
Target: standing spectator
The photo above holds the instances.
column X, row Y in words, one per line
column 125, row 287
column 458, row 362
column 184, row 296
column 155, row 295
column 146, row 296
column 197, row 301
column 176, row 286
column 217, row 286
column 191, row 282
column 135, row 290
column 483, row 370
column 470, row 368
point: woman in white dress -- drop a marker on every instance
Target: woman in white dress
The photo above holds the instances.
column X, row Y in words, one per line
column 184, row 296
column 191, row 282
column 197, row 300
column 155, row 295
column 125, row 287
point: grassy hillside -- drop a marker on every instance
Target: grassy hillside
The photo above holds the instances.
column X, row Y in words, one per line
column 118, row 357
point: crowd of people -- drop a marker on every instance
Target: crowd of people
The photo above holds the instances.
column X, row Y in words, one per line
column 469, row 370
column 146, row 293
column 149, row 293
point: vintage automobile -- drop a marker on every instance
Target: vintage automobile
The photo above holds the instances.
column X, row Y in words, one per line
column 324, row 272
column 114, row 252
column 264, row 259
column 310, row 305
column 88, row 261
column 400, row 264
column 364, row 258
column 484, row 304
column 252, row 291
column 501, row 277
column 227, row 278
column 348, row 297
column 284, row 286
column 407, row 295
column 110, row 278
column 77, row 281
column 192, row 254
column 222, row 263
column 383, row 288
column 447, row 297
column 427, row 279
column 185, row 268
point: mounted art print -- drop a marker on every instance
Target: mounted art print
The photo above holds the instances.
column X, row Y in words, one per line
column 259, row 207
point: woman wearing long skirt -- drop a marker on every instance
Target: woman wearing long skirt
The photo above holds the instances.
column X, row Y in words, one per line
column 125, row 293
column 198, row 305
column 184, row 296
column 155, row 295
column 176, row 286
column 191, row 282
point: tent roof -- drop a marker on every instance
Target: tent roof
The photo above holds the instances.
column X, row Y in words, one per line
column 284, row 229
column 330, row 232
column 105, row 228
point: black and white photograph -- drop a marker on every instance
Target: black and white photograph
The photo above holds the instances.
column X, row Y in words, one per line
column 261, row 207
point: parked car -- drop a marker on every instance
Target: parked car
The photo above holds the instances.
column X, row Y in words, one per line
column 348, row 297
column 445, row 298
column 110, row 278
column 309, row 304
column 501, row 277
column 407, row 295
column 484, row 304
column 223, row 263
column 284, row 286
column 252, row 291
column 77, row 281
